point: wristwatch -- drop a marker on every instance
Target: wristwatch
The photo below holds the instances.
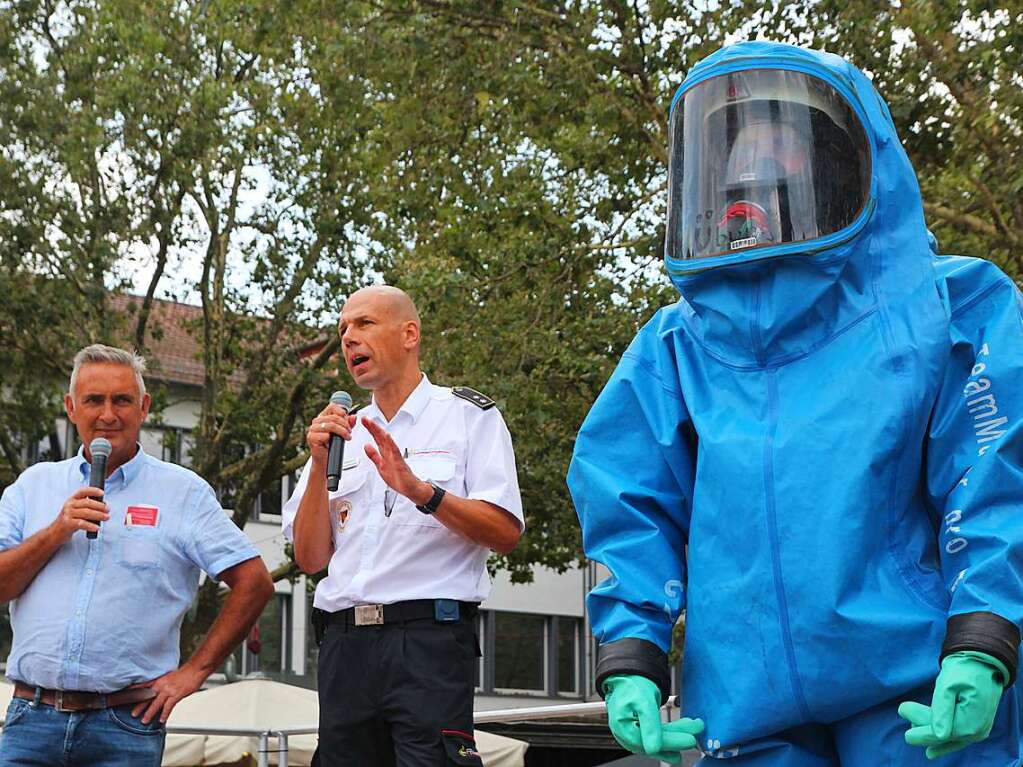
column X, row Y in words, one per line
column 430, row 507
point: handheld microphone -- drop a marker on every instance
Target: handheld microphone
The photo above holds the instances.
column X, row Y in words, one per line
column 336, row 446
column 100, row 449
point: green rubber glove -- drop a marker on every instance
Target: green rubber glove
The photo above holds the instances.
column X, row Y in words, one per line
column 634, row 716
column 962, row 711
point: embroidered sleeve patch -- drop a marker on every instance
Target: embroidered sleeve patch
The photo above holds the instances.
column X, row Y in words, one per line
column 461, row 748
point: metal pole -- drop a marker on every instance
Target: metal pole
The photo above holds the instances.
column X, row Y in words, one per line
column 282, row 749
column 264, row 747
column 665, row 717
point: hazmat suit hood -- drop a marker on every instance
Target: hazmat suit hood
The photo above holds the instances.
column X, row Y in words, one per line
column 769, row 306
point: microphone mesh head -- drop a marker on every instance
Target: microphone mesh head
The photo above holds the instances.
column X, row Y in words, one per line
column 100, row 446
column 342, row 398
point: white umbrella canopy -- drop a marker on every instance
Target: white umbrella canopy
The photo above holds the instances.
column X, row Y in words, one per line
column 185, row 750
column 500, row 751
column 6, row 693
column 267, row 705
column 259, row 704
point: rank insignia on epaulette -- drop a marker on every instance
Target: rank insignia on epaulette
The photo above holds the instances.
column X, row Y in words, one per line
column 482, row 401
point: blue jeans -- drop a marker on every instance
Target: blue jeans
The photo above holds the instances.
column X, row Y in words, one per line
column 40, row 736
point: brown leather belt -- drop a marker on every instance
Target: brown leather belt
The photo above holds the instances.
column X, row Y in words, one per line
column 71, row 700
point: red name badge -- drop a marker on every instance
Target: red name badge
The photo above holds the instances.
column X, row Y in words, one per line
column 143, row 516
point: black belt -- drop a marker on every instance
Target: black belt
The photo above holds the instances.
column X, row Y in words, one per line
column 398, row 612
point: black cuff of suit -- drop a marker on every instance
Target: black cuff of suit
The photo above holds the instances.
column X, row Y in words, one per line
column 634, row 656
column 987, row 633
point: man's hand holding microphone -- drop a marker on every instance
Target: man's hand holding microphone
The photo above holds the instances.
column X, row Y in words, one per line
column 326, row 435
column 85, row 509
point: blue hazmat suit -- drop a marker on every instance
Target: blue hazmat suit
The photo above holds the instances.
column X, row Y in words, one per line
column 818, row 456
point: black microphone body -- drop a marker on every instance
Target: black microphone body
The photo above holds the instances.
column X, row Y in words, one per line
column 336, row 446
column 100, row 450
column 335, row 457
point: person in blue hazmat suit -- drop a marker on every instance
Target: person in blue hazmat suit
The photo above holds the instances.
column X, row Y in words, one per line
column 816, row 452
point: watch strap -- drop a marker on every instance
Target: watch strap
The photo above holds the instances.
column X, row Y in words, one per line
column 431, row 506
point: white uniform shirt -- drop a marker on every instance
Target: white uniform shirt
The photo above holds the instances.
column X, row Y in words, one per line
column 381, row 559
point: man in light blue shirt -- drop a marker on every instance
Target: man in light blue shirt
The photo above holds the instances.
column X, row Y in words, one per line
column 97, row 621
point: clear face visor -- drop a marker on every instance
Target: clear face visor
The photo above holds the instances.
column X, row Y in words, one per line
column 762, row 158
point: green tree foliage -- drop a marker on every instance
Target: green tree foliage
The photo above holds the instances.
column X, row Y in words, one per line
column 951, row 75
column 134, row 133
column 503, row 161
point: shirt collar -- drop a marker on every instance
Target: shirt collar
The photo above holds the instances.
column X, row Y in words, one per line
column 128, row 471
column 415, row 402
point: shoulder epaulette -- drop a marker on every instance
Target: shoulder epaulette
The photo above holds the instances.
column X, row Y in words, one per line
column 482, row 401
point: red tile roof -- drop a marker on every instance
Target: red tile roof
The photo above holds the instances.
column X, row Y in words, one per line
column 174, row 352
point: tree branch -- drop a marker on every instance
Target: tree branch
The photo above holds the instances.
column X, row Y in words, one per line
column 164, row 238
column 962, row 220
column 11, row 453
column 272, row 455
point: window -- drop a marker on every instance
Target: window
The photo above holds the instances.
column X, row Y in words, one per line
column 312, row 650
column 152, row 441
column 567, row 658
column 168, row 444
column 227, row 491
column 171, row 444
column 274, row 656
column 74, row 441
column 185, row 448
column 274, row 635
column 478, row 672
column 270, row 502
column 520, row 649
column 537, row 654
column 59, row 443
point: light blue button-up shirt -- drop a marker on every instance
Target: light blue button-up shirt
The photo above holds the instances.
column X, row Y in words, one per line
column 105, row 614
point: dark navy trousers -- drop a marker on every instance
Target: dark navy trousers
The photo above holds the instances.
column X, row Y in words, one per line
column 397, row 695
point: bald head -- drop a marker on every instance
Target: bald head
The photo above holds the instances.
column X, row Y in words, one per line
column 379, row 329
column 395, row 302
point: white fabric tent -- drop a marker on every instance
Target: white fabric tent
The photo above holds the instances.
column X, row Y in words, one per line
column 501, row 751
column 6, row 693
column 251, row 704
column 266, row 705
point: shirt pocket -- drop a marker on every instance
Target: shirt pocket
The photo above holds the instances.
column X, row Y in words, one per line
column 140, row 547
column 437, row 467
column 354, row 472
column 440, row 468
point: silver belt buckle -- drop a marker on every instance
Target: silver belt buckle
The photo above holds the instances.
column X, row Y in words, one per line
column 58, row 701
column 369, row 615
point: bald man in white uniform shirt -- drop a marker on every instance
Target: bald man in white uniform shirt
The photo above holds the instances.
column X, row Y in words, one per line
column 428, row 489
